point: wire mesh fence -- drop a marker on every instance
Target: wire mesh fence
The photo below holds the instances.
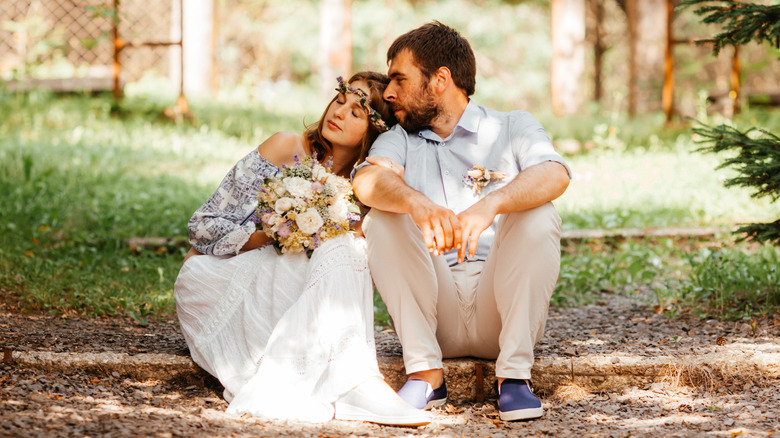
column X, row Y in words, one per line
column 259, row 41
column 41, row 37
column 73, row 38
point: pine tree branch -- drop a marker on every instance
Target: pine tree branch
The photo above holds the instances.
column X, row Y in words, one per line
column 743, row 22
column 762, row 232
column 757, row 159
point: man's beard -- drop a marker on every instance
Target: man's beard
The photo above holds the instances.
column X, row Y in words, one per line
column 420, row 112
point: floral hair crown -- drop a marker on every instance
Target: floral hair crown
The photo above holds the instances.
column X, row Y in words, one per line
column 374, row 117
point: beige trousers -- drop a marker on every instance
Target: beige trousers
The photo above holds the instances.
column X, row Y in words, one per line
column 494, row 309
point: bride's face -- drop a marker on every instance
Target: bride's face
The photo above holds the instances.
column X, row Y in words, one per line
column 346, row 121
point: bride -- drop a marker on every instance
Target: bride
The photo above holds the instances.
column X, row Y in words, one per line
column 287, row 336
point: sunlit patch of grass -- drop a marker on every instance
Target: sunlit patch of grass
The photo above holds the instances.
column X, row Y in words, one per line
column 668, row 188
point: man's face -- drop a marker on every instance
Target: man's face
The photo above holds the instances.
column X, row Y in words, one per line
column 413, row 103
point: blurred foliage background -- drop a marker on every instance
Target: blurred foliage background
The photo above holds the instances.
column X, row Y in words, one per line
column 264, row 48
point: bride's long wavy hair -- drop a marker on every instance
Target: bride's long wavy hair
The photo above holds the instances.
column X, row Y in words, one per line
column 377, row 82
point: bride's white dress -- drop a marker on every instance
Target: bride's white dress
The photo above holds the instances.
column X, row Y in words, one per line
column 285, row 335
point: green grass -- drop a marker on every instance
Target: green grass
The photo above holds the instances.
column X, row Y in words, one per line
column 731, row 283
column 77, row 182
column 676, row 187
column 683, row 275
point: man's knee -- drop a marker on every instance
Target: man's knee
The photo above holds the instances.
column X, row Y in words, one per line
column 379, row 220
column 542, row 222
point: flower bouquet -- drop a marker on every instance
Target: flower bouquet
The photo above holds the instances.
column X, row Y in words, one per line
column 305, row 205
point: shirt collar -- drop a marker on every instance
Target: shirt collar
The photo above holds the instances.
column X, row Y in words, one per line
column 469, row 121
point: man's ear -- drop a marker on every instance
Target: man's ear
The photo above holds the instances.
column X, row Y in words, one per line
column 441, row 79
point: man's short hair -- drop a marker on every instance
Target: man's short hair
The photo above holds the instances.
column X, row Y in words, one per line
column 437, row 45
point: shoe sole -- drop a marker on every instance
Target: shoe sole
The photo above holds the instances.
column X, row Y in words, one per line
column 521, row 414
column 349, row 412
column 435, row 404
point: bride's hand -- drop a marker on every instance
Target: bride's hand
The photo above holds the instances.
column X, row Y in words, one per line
column 357, row 227
column 388, row 163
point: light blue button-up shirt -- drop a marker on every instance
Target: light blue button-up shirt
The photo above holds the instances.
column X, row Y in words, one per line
column 436, row 167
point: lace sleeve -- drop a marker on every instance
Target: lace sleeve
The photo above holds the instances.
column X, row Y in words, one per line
column 222, row 224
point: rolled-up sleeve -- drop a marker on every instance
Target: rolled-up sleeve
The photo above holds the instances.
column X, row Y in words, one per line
column 390, row 144
column 530, row 143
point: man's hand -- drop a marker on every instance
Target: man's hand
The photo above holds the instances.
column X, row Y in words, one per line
column 473, row 221
column 440, row 227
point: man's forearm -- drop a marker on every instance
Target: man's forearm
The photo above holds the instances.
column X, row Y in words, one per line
column 385, row 190
column 379, row 188
column 533, row 187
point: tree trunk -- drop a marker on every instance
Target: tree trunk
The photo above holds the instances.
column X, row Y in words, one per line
column 647, row 38
column 667, row 93
column 197, row 45
column 598, row 50
column 568, row 60
column 335, row 54
column 632, row 14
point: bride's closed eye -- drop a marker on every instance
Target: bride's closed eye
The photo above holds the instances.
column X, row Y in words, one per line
column 357, row 110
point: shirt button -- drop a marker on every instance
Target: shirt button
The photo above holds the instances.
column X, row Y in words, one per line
column 446, row 172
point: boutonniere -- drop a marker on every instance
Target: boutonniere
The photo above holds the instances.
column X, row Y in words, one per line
column 478, row 177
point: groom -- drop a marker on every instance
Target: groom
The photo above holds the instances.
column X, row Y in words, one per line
column 464, row 245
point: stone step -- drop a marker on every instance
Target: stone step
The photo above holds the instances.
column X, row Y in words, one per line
column 469, row 379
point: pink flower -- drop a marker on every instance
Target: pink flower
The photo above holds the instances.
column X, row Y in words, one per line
column 283, row 230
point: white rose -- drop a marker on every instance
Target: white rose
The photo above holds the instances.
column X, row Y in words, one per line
column 338, row 211
column 333, row 179
column 278, row 188
column 338, row 185
column 318, row 172
column 309, row 222
column 298, row 187
column 283, row 204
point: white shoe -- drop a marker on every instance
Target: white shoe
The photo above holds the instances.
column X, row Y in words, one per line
column 379, row 404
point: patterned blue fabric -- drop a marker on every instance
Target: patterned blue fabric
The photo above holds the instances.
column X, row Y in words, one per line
column 222, row 225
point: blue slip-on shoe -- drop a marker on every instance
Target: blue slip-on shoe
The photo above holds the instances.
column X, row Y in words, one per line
column 419, row 394
column 516, row 401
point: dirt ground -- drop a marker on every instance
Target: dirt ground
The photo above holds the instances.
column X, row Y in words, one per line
column 73, row 403
column 36, row 403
